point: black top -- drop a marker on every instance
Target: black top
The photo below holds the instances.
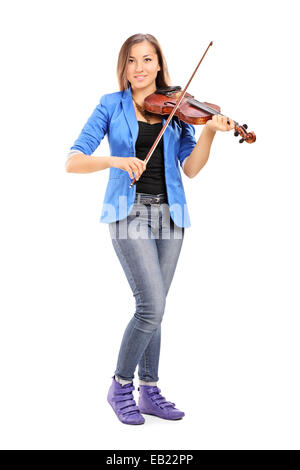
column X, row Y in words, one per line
column 152, row 180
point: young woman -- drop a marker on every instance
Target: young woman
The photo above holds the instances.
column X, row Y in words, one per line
column 146, row 221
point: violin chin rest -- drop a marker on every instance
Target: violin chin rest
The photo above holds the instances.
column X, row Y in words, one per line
column 168, row 89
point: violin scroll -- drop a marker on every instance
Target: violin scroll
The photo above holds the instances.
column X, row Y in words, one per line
column 249, row 137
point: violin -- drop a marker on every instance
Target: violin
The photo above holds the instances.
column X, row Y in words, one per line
column 191, row 111
column 171, row 100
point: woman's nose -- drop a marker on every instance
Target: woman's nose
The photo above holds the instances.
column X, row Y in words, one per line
column 139, row 68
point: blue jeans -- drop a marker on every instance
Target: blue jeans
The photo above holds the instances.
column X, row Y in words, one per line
column 148, row 244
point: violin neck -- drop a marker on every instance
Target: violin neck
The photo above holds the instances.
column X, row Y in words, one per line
column 204, row 107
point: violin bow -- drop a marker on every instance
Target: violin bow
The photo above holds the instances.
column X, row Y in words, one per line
column 181, row 96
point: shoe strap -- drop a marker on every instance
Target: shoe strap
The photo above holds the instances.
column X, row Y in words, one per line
column 159, row 399
column 124, row 390
column 122, row 396
column 132, row 409
column 125, row 394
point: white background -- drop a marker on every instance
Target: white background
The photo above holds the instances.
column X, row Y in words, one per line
column 230, row 334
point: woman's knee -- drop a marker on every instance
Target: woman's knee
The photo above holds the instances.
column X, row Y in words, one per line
column 151, row 312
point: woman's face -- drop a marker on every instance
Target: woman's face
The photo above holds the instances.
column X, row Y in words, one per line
column 142, row 66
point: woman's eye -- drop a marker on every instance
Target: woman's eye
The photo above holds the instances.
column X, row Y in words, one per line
column 130, row 60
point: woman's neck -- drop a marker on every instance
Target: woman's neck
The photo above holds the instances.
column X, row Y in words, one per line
column 140, row 94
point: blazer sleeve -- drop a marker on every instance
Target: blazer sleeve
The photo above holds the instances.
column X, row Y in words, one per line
column 187, row 142
column 94, row 129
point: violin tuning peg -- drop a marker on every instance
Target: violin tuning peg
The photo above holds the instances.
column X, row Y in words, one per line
column 236, row 133
column 241, row 141
column 245, row 126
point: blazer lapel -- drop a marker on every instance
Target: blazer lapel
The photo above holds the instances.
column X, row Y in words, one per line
column 130, row 113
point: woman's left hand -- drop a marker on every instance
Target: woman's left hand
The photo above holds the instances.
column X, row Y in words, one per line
column 219, row 123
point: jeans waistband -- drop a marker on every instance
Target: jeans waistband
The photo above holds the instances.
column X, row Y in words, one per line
column 144, row 198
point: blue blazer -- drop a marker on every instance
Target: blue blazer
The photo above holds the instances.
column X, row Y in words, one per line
column 115, row 116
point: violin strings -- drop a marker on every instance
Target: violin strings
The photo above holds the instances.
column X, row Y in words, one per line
column 204, row 107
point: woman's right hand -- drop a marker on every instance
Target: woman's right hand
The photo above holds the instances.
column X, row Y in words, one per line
column 129, row 164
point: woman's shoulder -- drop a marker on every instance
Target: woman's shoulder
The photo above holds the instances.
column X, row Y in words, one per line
column 113, row 97
column 109, row 102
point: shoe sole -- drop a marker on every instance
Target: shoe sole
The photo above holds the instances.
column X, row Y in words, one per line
column 169, row 419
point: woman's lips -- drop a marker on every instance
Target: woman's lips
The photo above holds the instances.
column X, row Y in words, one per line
column 140, row 78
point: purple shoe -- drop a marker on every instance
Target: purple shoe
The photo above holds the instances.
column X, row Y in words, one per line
column 122, row 402
column 152, row 403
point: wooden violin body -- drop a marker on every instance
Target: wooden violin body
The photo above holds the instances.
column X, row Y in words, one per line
column 158, row 103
